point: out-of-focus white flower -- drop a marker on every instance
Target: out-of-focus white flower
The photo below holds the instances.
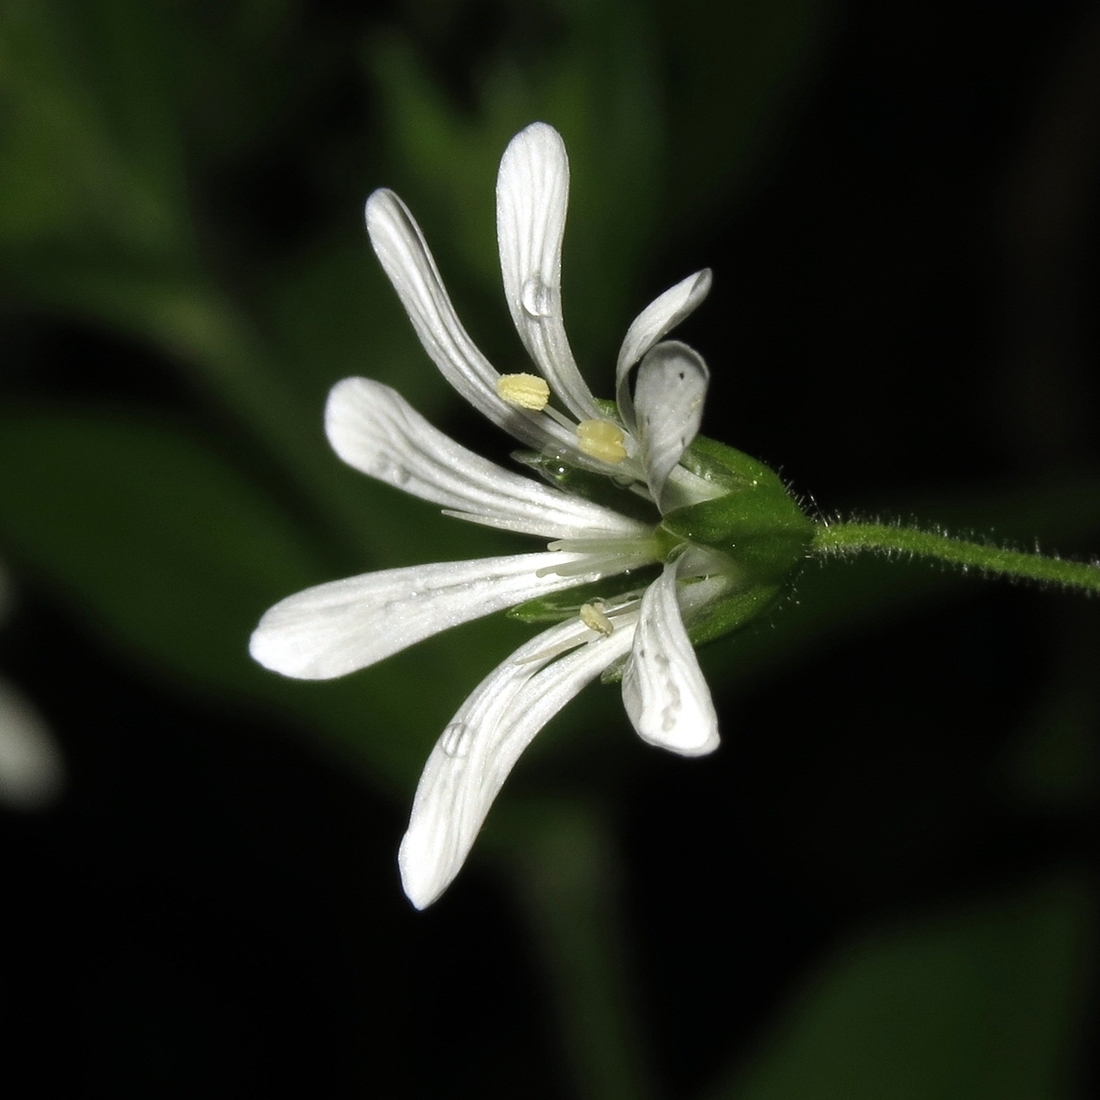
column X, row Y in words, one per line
column 31, row 768
column 638, row 626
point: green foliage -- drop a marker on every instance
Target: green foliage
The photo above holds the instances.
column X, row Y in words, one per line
column 971, row 1004
column 91, row 142
column 169, row 546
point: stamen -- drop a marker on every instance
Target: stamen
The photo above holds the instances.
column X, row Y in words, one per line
column 528, row 391
column 593, row 617
column 607, row 565
column 601, row 439
column 638, row 548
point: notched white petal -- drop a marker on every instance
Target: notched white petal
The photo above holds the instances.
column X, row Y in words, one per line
column 664, row 691
column 668, row 398
column 482, row 743
column 532, row 197
column 659, row 318
column 345, row 625
column 372, row 428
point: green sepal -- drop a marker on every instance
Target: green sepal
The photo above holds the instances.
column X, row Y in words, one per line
column 559, row 606
column 735, row 611
column 613, row 674
column 756, row 521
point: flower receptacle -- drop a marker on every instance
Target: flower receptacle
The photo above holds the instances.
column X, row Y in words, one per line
column 755, row 521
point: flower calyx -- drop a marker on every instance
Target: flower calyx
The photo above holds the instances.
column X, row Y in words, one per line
column 755, row 523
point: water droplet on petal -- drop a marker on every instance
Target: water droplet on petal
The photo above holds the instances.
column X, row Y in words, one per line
column 400, row 475
column 456, row 740
column 537, row 298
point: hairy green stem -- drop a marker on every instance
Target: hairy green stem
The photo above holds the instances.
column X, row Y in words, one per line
column 855, row 538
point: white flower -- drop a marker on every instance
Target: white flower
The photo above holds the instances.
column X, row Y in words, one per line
column 32, row 768
column 346, row 625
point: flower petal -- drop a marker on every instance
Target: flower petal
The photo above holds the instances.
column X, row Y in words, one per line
column 373, row 428
column 339, row 627
column 668, row 397
column 532, row 196
column 664, row 691
column 662, row 315
column 481, row 745
column 404, row 255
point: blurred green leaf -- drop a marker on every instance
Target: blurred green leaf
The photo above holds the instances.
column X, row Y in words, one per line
column 973, row 1003
column 334, row 314
column 190, row 323
column 91, row 140
column 561, row 859
column 96, row 220
column 171, row 548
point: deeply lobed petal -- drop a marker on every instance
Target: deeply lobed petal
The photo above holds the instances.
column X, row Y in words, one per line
column 373, row 428
column 668, row 402
column 664, row 691
column 340, row 627
column 532, row 197
column 481, row 745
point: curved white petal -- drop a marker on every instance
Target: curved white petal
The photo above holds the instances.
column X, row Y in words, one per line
column 532, row 196
column 481, row 745
column 661, row 316
column 668, row 400
column 405, row 256
column 664, row 692
column 339, row 627
column 373, row 428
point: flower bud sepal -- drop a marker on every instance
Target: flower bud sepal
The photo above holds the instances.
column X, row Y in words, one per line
column 754, row 522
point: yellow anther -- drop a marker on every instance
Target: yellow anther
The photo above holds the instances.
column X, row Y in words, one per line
column 593, row 617
column 601, row 439
column 528, row 391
